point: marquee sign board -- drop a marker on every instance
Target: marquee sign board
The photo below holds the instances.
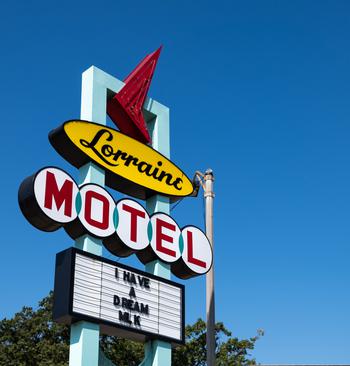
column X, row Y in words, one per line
column 51, row 198
column 131, row 166
column 125, row 302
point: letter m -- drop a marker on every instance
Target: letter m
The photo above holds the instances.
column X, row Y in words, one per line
column 60, row 196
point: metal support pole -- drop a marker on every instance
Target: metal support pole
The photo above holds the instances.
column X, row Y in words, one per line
column 210, row 298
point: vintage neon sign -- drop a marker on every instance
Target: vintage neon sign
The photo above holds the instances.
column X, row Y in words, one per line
column 131, row 167
column 51, row 199
column 125, row 108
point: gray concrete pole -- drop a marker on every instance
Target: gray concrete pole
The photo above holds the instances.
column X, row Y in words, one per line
column 210, row 298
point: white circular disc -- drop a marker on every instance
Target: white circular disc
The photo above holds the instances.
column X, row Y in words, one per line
column 96, row 213
column 133, row 223
column 197, row 252
column 165, row 237
column 55, row 192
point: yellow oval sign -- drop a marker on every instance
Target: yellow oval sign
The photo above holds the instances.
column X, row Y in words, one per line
column 131, row 167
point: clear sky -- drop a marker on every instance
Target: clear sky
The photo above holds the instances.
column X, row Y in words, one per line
column 259, row 91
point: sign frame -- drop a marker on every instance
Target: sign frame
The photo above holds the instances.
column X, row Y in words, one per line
column 63, row 299
column 97, row 88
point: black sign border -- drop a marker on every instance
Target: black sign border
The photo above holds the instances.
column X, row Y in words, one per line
column 63, row 299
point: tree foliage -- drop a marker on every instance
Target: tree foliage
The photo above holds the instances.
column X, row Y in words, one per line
column 230, row 351
column 31, row 338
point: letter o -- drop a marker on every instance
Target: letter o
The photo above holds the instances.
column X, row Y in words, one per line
column 96, row 207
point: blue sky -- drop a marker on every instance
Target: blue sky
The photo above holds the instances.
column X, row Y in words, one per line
column 259, row 91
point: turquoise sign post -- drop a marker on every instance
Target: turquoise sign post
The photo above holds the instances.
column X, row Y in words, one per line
column 158, row 353
column 96, row 86
column 85, row 337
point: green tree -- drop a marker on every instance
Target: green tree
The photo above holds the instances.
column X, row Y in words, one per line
column 230, row 351
column 122, row 352
column 31, row 338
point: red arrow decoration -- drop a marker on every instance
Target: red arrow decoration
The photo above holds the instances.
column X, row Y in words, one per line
column 125, row 108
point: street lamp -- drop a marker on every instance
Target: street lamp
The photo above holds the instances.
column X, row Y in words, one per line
column 206, row 180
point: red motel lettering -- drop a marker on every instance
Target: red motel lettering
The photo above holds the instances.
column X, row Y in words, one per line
column 91, row 195
column 61, row 196
column 160, row 237
column 191, row 258
column 51, row 199
column 134, row 214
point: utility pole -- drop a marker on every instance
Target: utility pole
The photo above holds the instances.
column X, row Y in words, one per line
column 207, row 182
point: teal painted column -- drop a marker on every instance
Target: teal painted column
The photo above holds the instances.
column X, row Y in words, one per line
column 158, row 353
column 84, row 336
